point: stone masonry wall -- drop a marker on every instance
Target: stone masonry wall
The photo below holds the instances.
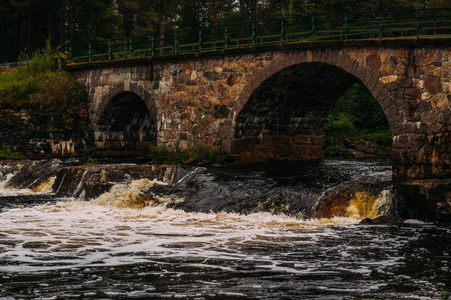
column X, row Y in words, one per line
column 40, row 134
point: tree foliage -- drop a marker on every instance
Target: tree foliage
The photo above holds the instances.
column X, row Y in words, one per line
column 26, row 25
column 356, row 119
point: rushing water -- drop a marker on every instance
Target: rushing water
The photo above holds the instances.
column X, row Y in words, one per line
column 54, row 248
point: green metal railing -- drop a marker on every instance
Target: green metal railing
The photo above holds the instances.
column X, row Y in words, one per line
column 343, row 26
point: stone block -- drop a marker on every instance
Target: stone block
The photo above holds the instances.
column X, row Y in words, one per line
column 440, row 102
column 389, row 78
column 221, row 111
column 432, row 70
column 389, row 65
column 211, row 75
column 433, row 85
column 326, row 56
column 412, row 93
column 243, row 145
column 374, row 61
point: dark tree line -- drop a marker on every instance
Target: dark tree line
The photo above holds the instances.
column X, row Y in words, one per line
column 26, row 25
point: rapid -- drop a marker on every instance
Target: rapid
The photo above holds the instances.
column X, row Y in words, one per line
column 274, row 231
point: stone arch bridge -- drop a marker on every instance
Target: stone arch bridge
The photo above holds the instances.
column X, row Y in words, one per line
column 268, row 103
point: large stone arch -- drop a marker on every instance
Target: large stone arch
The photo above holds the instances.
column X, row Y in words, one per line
column 333, row 67
column 125, row 120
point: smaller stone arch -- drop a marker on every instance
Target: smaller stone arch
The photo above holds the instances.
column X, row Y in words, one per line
column 125, row 121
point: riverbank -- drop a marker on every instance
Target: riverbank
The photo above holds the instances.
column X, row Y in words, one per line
column 43, row 111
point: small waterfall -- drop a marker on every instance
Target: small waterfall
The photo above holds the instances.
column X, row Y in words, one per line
column 60, row 184
column 308, row 193
column 8, row 169
column 45, row 187
column 33, row 175
column 89, row 182
column 364, row 205
column 4, row 184
column 367, row 197
column 134, row 194
column 301, row 191
column 79, row 186
column 7, row 173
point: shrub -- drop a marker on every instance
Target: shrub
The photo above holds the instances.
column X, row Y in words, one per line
column 340, row 123
column 38, row 84
column 380, row 138
column 7, row 153
column 198, row 156
column 89, row 153
column 333, row 144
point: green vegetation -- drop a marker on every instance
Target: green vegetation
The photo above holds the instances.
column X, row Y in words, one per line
column 357, row 122
column 37, row 84
column 446, row 295
column 198, row 156
column 7, row 153
column 89, row 153
column 27, row 25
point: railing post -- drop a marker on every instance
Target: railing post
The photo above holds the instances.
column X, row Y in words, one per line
column 90, row 52
column 417, row 19
column 300, row 27
column 130, row 47
column 152, row 44
column 109, row 50
column 253, row 33
column 282, row 30
column 200, row 39
column 226, row 36
column 346, row 25
column 313, row 27
column 70, row 53
column 380, row 25
column 174, row 51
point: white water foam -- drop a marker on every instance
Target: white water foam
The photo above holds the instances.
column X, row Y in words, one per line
column 7, row 190
column 123, row 227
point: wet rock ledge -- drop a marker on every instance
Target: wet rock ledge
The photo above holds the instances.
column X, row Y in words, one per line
column 428, row 199
column 89, row 182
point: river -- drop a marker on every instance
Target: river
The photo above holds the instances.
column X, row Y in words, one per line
column 222, row 233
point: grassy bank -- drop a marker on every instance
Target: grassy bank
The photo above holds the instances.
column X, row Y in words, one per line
column 43, row 110
column 38, row 84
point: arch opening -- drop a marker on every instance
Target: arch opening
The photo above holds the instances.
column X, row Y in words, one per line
column 283, row 118
column 125, row 127
column 357, row 126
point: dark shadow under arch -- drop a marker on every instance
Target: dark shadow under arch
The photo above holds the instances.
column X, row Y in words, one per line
column 125, row 126
column 283, row 116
